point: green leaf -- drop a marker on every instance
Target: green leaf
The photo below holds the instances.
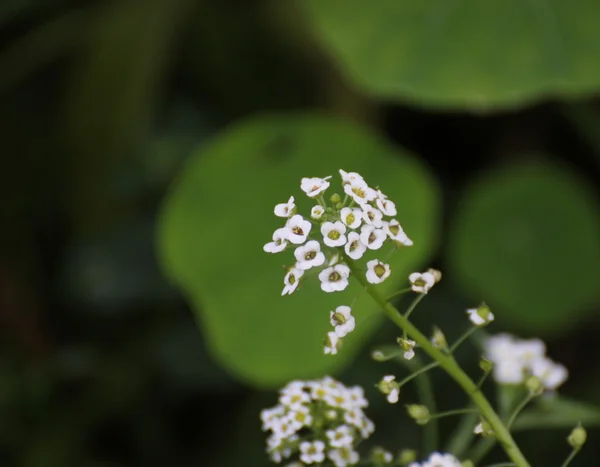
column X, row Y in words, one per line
column 525, row 240
column 465, row 53
column 220, row 214
column 558, row 413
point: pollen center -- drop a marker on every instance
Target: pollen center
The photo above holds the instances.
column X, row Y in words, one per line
column 359, row 192
column 297, row 230
column 310, row 255
column 350, row 219
column 334, row 276
column 394, row 229
column 334, row 235
column 379, row 270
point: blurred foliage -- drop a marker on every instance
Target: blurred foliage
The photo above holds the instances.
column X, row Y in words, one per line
column 464, row 54
column 111, row 107
column 212, row 249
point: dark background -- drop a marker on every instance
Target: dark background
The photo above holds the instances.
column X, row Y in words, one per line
column 101, row 361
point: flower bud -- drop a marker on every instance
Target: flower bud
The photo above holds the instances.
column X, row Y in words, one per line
column 339, row 206
column 484, row 429
column 420, row 413
column 380, row 456
column 577, row 437
column 406, row 456
column 335, row 198
column 480, row 316
column 390, row 387
column 378, row 356
column 485, row 365
column 436, row 274
column 534, row 385
column 439, row 340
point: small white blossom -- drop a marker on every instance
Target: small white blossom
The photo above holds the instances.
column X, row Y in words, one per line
column 283, row 428
column 285, row 209
column 389, row 387
column 298, row 229
column 294, row 399
column 377, row 271
column 291, row 280
column 551, row 374
column 386, row 206
column 279, row 241
column 339, row 398
column 270, row 416
column 331, row 344
column 340, row 437
column 366, row 427
column 394, row 231
column 309, row 255
column 334, row 278
column 348, row 177
column 437, row 459
column 333, row 233
column 357, row 397
column 300, row 416
column 343, row 320
column 343, row 456
column 312, row 452
column 408, row 346
column 422, row 282
column 351, row 217
column 317, row 212
column 354, row 417
column 480, row 316
column 372, row 216
column 354, row 248
column 313, row 187
column 393, row 396
column 372, row 237
column 360, row 192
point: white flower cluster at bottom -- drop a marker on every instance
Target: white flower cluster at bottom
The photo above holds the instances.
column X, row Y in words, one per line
column 437, row 459
column 317, row 420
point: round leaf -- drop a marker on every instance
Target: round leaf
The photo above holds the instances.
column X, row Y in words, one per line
column 526, row 240
column 465, row 53
column 220, row 214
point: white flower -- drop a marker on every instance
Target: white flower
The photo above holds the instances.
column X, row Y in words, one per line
column 377, row 271
column 366, row 427
column 339, row 398
column 389, row 386
column 294, row 399
column 354, row 247
column 309, row 255
column 480, row 316
column 441, row 460
column 298, row 229
column 393, row 396
column 408, row 346
column 422, row 282
column 331, row 343
column 394, row 230
column 270, row 416
column 291, row 280
column 509, row 372
column 312, row 452
column 354, row 417
column 279, row 241
column 372, row 216
column 340, row 437
column 285, row 209
column 551, row 374
column 357, row 397
column 385, row 205
column 343, row 320
column 334, row 278
column 359, row 191
column 348, row 177
column 300, row 416
column 352, row 217
column 313, row 187
column 372, row 237
column 284, row 428
column 333, row 233
column 342, row 457
column 317, row 212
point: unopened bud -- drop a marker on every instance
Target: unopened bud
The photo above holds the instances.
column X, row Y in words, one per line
column 486, row 365
column 420, row 413
column 578, row 437
column 436, row 274
column 484, row 429
column 406, row 456
column 534, row 385
column 335, row 198
column 381, row 456
column 378, row 356
column 439, row 340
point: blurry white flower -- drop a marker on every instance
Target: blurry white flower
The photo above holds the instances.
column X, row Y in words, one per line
column 377, row 271
column 354, row 248
column 343, row 320
column 372, row 237
column 291, row 280
column 309, row 255
column 480, row 316
column 333, row 233
column 343, row 456
column 312, row 452
column 279, row 241
column 408, row 346
column 334, row 278
column 390, row 387
column 285, row 209
column 298, row 229
column 340, row 437
column 331, row 344
column 550, row 373
column 313, row 187
column 294, row 399
column 317, row 212
column 352, row 217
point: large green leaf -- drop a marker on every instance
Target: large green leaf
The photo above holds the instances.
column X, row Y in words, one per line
column 463, row 53
column 220, row 214
column 526, row 239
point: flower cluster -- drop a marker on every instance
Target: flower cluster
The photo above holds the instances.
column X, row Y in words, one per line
column 517, row 359
column 362, row 221
column 316, row 420
column 437, row 459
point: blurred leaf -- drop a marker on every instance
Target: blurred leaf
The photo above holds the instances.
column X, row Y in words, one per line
column 525, row 239
column 466, row 54
column 219, row 215
column 557, row 412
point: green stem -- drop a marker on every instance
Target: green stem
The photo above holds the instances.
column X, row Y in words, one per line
column 516, row 412
column 449, row 413
column 482, row 379
column 412, row 308
column 399, row 292
column 418, row 372
column 570, row 458
column 462, row 338
column 427, row 398
column 448, row 363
